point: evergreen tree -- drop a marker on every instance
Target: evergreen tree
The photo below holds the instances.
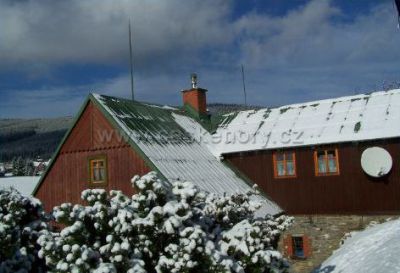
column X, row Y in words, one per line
column 28, row 168
column 18, row 166
column 14, row 163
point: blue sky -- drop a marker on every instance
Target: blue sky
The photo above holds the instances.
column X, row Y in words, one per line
column 53, row 53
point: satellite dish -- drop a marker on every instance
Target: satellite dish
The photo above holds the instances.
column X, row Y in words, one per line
column 376, row 162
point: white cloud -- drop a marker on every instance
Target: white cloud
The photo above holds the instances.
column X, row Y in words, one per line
column 313, row 35
column 172, row 33
column 95, row 31
column 312, row 52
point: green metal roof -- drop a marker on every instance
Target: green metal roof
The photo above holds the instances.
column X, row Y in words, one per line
column 163, row 136
column 148, row 122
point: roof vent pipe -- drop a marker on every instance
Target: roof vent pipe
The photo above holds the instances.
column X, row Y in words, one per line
column 193, row 77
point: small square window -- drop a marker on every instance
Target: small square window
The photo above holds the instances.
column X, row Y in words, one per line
column 326, row 162
column 98, row 170
column 284, row 164
column 297, row 246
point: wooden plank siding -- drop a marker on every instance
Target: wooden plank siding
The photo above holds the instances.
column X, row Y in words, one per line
column 350, row 192
column 69, row 175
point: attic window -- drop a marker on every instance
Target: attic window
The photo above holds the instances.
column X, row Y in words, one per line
column 326, row 162
column 284, row 164
column 98, row 170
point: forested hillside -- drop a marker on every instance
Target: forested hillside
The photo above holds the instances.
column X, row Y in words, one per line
column 30, row 138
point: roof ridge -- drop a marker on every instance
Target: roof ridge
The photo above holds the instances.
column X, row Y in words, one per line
column 145, row 103
column 310, row 103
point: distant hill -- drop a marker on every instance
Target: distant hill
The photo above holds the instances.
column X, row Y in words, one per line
column 29, row 138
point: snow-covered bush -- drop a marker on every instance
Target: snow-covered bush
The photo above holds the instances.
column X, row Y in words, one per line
column 21, row 221
column 163, row 228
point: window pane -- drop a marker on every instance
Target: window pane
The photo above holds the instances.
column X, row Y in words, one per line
column 102, row 174
column 321, row 162
column 331, row 154
column 279, row 156
column 332, row 161
column 96, row 174
column 100, row 163
column 280, row 168
column 332, row 166
column 289, row 168
column 289, row 156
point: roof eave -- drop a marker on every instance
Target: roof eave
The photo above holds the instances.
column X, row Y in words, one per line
column 307, row 145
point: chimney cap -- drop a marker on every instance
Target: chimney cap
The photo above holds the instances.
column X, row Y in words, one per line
column 194, row 87
column 193, row 78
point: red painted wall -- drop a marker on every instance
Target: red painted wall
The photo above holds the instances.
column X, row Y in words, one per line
column 351, row 192
column 69, row 175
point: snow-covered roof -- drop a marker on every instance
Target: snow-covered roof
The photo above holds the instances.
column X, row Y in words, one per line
column 351, row 118
column 24, row 184
column 172, row 150
column 38, row 163
column 375, row 249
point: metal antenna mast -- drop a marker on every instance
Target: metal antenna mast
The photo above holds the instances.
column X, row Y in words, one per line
column 131, row 60
column 244, row 86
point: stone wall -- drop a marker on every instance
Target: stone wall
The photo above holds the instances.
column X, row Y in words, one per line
column 325, row 234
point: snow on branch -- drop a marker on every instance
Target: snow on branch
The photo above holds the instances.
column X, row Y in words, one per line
column 22, row 219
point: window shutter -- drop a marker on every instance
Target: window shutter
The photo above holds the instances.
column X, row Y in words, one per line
column 307, row 246
column 288, row 245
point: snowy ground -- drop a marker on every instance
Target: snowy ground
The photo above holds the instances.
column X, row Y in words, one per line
column 373, row 250
column 24, row 184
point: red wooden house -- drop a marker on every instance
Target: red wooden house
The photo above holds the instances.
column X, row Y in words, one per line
column 305, row 157
column 114, row 139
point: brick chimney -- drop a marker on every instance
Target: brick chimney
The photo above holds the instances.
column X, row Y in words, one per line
column 194, row 99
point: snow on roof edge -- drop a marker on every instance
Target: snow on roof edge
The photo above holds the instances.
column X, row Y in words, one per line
column 328, row 100
column 306, row 145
